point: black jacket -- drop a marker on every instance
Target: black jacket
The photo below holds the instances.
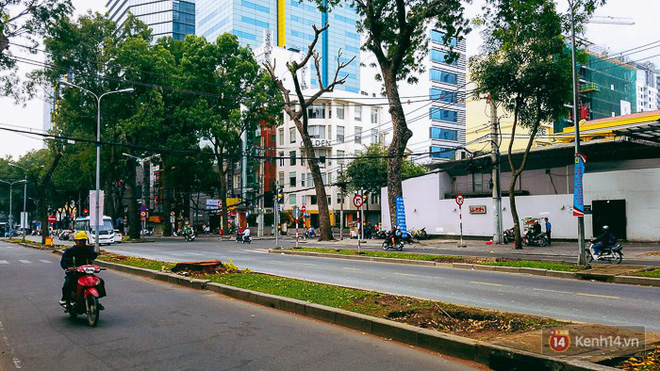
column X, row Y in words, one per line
column 606, row 237
column 77, row 255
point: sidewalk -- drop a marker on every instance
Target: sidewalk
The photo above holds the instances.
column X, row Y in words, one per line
column 638, row 251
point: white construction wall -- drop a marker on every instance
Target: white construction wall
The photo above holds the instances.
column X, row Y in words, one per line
column 639, row 187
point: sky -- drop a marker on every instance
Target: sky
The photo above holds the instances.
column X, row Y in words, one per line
column 616, row 38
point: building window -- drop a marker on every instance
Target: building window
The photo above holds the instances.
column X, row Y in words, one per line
column 374, row 115
column 443, row 95
column 310, row 180
column 292, row 199
column 443, row 115
column 340, row 134
column 329, row 132
column 444, row 134
column 340, row 111
column 374, row 136
column 292, row 158
column 358, row 113
column 281, row 156
column 292, row 179
column 281, row 178
column 292, row 135
column 312, row 200
column 442, row 57
column 437, row 36
column 303, row 179
column 358, row 135
column 339, row 200
column 316, row 111
column 340, row 157
column 316, row 131
column 442, row 152
column 280, row 134
column 444, row 77
column 329, row 200
column 374, row 198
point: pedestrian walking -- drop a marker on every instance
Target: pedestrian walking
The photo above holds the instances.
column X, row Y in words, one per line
column 548, row 230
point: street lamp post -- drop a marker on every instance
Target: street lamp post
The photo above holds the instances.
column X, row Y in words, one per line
column 11, row 201
column 24, row 215
column 97, row 247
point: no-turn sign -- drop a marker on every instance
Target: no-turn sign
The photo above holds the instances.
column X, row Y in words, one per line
column 459, row 199
column 303, row 208
column 358, row 201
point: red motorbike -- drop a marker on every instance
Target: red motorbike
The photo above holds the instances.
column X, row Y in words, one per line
column 85, row 300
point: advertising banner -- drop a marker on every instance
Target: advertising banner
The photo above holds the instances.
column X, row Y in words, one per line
column 578, row 191
column 401, row 216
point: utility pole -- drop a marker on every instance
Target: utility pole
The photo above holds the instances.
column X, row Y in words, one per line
column 495, row 177
column 341, row 211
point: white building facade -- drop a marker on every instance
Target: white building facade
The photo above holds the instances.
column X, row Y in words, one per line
column 341, row 126
column 647, row 88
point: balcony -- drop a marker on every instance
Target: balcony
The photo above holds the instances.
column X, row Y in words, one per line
column 588, row 87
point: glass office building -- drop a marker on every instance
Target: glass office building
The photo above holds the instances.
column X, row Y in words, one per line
column 290, row 22
column 175, row 18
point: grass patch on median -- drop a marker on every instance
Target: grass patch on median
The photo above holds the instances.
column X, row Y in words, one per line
column 392, row 255
column 564, row 267
column 156, row 265
column 461, row 320
column 655, row 273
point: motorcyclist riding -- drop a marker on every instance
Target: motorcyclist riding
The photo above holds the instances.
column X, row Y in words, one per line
column 246, row 234
column 605, row 240
column 80, row 254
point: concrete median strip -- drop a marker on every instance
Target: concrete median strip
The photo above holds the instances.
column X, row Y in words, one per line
column 494, row 356
column 630, row 280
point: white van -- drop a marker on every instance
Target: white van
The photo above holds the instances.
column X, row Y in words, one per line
column 106, row 232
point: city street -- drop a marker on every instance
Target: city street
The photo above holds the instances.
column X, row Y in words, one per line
column 152, row 325
column 604, row 303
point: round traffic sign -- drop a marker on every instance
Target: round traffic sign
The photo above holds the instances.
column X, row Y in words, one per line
column 358, row 201
column 303, row 208
column 172, row 213
column 460, row 199
column 52, row 219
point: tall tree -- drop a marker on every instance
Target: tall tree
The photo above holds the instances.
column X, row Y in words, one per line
column 397, row 33
column 239, row 97
column 24, row 20
column 527, row 67
column 296, row 105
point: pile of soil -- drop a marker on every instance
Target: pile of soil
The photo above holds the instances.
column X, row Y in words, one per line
column 464, row 321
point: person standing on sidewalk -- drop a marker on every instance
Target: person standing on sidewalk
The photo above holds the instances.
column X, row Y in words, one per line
column 548, row 230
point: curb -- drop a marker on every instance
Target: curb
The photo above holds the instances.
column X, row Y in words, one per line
column 493, row 356
column 628, row 280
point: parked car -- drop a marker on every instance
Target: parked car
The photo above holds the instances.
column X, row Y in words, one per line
column 118, row 235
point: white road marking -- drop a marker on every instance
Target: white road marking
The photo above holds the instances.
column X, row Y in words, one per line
column 353, row 269
column 4, row 262
column 46, row 261
column 406, row 274
column 308, row 264
column 597, row 296
column 259, row 251
column 25, row 261
column 556, row 291
column 485, row 283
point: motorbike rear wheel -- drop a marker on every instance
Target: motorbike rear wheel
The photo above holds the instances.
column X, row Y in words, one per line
column 386, row 246
column 618, row 257
column 543, row 241
column 92, row 303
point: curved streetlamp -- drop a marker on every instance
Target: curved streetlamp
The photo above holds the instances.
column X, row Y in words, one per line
column 97, row 247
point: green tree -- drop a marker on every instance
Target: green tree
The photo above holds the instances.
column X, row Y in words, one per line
column 296, row 105
column 397, row 33
column 525, row 66
column 26, row 21
column 368, row 171
column 238, row 97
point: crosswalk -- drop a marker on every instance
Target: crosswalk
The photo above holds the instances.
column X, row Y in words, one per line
column 25, row 262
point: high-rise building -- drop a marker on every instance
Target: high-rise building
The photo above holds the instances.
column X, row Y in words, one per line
column 646, row 87
column 175, row 18
column 290, row 23
column 435, row 105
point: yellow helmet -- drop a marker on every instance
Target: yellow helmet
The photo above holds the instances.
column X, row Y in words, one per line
column 80, row 236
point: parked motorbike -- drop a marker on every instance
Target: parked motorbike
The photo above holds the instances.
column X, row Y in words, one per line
column 64, row 234
column 392, row 243
column 419, row 234
column 610, row 254
column 535, row 239
column 85, row 300
column 189, row 235
column 381, row 234
column 508, row 235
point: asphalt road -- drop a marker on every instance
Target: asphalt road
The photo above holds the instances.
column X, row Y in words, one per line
column 604, row 303
column 151, row 325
